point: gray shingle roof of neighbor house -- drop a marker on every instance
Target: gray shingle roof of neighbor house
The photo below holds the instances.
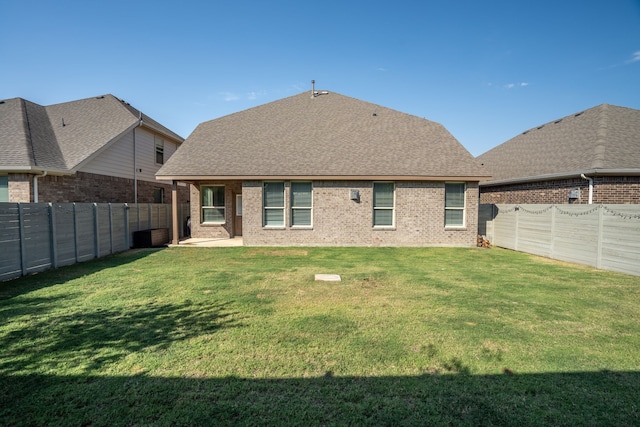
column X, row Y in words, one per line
column 328, row 136
column 601, row 140
column 61, row 137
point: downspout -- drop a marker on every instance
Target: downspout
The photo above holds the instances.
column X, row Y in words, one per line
column 35, row 185
column 135, row 162
column 590, row 187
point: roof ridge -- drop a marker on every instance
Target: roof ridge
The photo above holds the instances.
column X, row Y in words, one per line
column 601, row 138
column 27, row 130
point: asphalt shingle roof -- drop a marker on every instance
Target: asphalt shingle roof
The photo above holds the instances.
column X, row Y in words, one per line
column 330, row 135
column 60, row 137
column 605, row 137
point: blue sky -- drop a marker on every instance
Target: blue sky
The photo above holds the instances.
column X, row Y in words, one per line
column 487, row 70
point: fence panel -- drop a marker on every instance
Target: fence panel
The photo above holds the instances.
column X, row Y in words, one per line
column 620, row 246
column 37, row 251
column 10, row 257
column 38, row 236
column 64, row 237
column 602, row 236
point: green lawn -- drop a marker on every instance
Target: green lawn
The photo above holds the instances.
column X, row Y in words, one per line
column 245, row 336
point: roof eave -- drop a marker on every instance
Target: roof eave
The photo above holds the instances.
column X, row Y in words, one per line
column 564, row 175
column 34, row 170
column 193, row 178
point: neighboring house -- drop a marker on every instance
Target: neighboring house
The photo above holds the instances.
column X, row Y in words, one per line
column 91, row 150
column 321, row 168
column 589, row 157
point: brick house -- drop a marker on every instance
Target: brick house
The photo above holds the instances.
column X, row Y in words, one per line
column 324, row 169
column 589, row 157
column 97, row 149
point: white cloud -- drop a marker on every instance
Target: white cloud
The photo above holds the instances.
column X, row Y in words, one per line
column 513, row 85
column 228, row 96
column 255, row 95
column 381, row 69
column 635, row 57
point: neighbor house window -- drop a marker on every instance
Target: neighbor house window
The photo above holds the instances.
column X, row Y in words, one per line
column 158, row 195
column 273, row 204
column 301, row 201
column 454, row 204
column 383, row 204
column 159, row 150
column 212, row 204
column 4, row 188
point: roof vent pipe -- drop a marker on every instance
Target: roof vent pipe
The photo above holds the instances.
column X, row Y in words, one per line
column 590, row 187
column 313, row 88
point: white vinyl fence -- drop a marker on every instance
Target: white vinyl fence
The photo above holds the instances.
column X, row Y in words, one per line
column 602, row 236
column 38, row 236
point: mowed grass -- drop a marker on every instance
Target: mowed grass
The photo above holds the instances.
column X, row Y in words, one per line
column 245, row 336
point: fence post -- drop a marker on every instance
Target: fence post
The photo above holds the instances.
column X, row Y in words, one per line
column 75, row 231
column 515, row 244
column 149, row 215
column 110, row 229
column 127, row 236
column 600, row 231
column 23, row 249
column 96, row 232
column 553, row 231
column 53, row 236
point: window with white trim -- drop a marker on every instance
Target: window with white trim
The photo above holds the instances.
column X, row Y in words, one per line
column 159, row 150
column 212, row 204
column 454, row 204
column 301, row 204
column 273, row 204
column 383, row 204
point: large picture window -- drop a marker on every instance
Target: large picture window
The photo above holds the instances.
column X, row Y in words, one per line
column 301, row 204
column 273, row 204
column 212, row 204
column 454, row 204
column 383, row 204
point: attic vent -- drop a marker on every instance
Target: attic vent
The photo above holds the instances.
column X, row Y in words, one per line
column 580, row 113
column 99, row 97
column 1, row 102
column 525, row 132
column 557, row 121
column 540, row 127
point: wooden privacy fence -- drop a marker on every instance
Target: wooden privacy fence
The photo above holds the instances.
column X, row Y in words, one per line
column 37, row 236
column 602, row 236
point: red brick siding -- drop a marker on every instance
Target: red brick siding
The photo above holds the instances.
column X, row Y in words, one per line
column 606, row 189
column 85, row 187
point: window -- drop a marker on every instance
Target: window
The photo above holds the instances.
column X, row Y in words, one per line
column 383, row 204
column 4, row 188
column 454, row 204
column 213, row 204
column 301, row 201
column 158, row 195
column 273, row 203
column 159, row 150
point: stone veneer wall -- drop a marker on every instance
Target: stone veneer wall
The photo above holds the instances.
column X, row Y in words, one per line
column 85, row 187
column 606, row 189
column 339, row 221
column 20, row 188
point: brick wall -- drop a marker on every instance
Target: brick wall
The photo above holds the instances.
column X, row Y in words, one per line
column 214, row 231
column 339, row 221
column 606, row 189
column 85, row 187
